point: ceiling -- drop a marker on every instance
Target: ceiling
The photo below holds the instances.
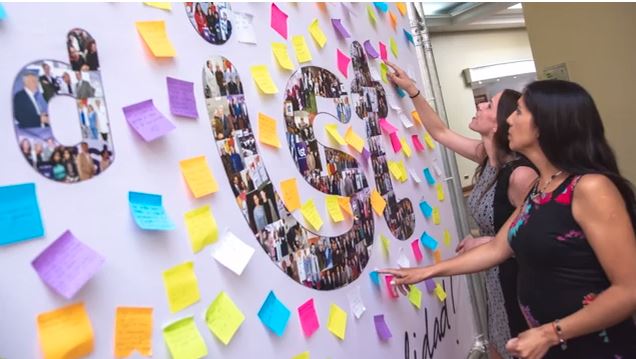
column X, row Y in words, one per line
column 470, row 16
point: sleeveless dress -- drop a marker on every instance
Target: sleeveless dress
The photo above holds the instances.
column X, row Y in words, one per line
column 559, row 274
column 490, row 207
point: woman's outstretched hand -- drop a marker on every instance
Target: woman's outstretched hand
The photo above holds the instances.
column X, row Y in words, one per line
column 400, row 78
column 405, row 276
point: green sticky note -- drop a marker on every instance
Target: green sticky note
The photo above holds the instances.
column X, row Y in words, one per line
column 415, row 296
column 385, row 245
column 371, row 14
column 184, row 340
column 393, row 46
column 224, row 317
column 383, row 71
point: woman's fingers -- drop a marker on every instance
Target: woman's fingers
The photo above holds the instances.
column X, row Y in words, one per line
column 402, row 289
column 394, row 272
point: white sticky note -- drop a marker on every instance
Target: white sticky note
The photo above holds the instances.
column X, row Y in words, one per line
column 415, row 177
column 355, row 302
column 232, row 252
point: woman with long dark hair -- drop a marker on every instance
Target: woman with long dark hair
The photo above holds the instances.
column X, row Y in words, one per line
column 573, row 237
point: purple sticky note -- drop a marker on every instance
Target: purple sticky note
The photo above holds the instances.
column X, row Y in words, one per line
column 278, row 21
column 67, row 264
column 381, row 327
column 181, row 97
column 395, row 142
column 430, row 285
column 340, row 29
column 147, row 121
column 308, row 317
column 371, row 52
column 365, row 155
column 383, row 54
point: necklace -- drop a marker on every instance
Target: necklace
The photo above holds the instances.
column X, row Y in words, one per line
column 542, row 190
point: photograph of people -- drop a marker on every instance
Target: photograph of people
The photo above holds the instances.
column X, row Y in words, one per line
column 211, row 20
column 29, row 105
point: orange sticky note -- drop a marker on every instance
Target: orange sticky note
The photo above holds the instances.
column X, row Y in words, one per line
column 437, row 256
column 393, row 20
column 401, row 7
column 133, row 331
column 155, row 36
column 267, row 130
column 65, row 332
column 345, row 204
column 416, row 117
column 377, row 202
column 197, row 174
column 291, row 198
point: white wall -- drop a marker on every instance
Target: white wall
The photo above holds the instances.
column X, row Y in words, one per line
column 455, row 52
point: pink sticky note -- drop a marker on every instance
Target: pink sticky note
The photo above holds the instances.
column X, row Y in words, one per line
column 147, row 121
column 343, row 62
column 278, row 21
column 390, row 288
column 383, row 54
column 181, row 98
column 308, row 317
column 417, row 252
column 417, row 144
column 386, row 126
column 395, row 142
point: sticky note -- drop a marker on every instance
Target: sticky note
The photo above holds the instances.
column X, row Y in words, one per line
column 377, row 202
column 184, row 340
column 310, row 212
column 438, row 171
column 393, row 20
column 405, row 147
column 439, row 292
column 267, row 130
column 232, row 253
column 333, row 208
column 301, row 49
column 3, row 13
column 375, row 277
column 355, row 302
column 202, row 228
column 383, row 72
column 414, row 175
column 244, row 27
column 147, row 121
column 383, row 54
column 430, row 285
column 427, row 210
column 436, row 216
column 197, row 174
column 263, row 79
column 354, row 140
column 403, row 261
column 416, row 117
column 67, row 264
column 437, row 256
column 447, row 238
column 332, row 131
column 371, row 15
column 381, row 327
column 65, row 332
column 417, row 252
column 345, row 204
column 181, row 98
column 406, row 122
column 395, row 142
column 382, row 6
column 278, row 21
column 402, row 168
column 343, row 62
column 370, row 50
column 282, row 56
column 391, row 290
column 341, row 30
column 182, row 288
column 160, row 5
column 415, row 296
column 401, row 7
column 274, row 314
column 409, row 37
column 386, row 126
column 399, row 91
column 156, row 38
column 393, row 46
column 20, row 217
column 429, row 141
column 291, row 198
column 386, row 245
column 417, row 143
column 428, row 241
column 224, row 318
column 308, row 317
column 148, row 212
column 337, row 323
column 429, row 177
column 133, row 331
column 303, row 355
column 394, row 169
column 317, row 33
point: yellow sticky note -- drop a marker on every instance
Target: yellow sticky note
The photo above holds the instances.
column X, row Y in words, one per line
column 416, row 117
column 386, row 245
column 394, row 169
column 263, row 79
column 393, row 20
column 401, row 7
column 184, row 340
column 291, row 198
column 303, row 355
column 155, row 36
column 437, row 256
column 133, row 331
column 383, row 71
column 198, row 176
column 415, row 296
column 404, row 175
column 332, row 130
column 393, row 46
column 447, row 238
column 310, row 212
column 202, row 228
column 224, row 318
column 405, row 147
column 353, row 140
column 345, row 204
column 267, row 130
column 439, row 292
column 436, row 216
column 65, row 332
column 282, row 56
column 371, row 14
column 429, row 140
column 317, row 33
column 337, row 322
column 160, row 5
column 377, row 202
column 334, row 208
column 181, row 286
column 300, row 47
column 440, row 191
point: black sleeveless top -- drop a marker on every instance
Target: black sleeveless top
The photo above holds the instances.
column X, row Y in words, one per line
column 559, row 274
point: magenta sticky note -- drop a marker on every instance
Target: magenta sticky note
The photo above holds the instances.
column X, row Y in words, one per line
column 147, row 121
column 417, row 143
column 386, row 126
column 381, row 327
column 67, row 264
column 181, row 98
column 278, row 21
column 341, row 30
column 343, row 62
column 371, row 52
column 417, row 252
column 383, row 54
column 390, row 288
column 395, row 142
column 308, row 317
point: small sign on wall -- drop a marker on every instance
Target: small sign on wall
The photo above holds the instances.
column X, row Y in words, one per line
column 556, row 72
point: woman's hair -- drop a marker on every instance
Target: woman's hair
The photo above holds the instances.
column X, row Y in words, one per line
column 571, row 133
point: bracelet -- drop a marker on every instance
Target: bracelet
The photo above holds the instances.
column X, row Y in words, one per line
column 559, row 333
column 414, row 96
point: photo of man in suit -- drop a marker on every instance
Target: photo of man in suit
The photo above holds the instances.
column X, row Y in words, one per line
column 83, row 88
column 50, row 87
column 29, row 106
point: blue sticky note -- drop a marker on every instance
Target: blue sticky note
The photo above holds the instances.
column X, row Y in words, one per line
column 382, row 6
column 3, row 13
column 20, row 217
column 400, row 92
column 428, row 241
column 148, row 211
column 274, row 314
column 375, row 278
column 427, row 210
column 429, row 177
column 409, row 37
